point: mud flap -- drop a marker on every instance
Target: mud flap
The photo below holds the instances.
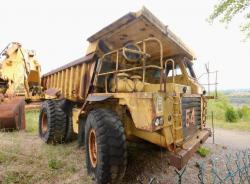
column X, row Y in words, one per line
column 12, row 116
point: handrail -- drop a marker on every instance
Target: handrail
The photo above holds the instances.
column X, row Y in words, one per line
column 130, row 69
column 143, row 67
column 173, row 72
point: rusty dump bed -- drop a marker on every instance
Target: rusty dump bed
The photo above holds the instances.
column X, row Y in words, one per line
column 72, row 79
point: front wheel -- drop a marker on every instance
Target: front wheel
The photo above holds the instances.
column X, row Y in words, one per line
column 106, row 151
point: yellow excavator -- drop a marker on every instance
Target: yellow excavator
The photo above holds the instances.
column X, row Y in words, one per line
column 20, row 81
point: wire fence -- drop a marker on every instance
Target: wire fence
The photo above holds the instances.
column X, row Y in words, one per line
column 235, row 170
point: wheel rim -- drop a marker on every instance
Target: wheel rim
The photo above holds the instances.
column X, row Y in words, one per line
column 44, row 123
column 92, row 147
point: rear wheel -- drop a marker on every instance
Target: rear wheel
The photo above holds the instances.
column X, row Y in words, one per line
column 67, row 106
column 106, row 152
column 52, row 122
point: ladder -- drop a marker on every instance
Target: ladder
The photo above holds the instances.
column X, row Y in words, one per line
column 177, row 125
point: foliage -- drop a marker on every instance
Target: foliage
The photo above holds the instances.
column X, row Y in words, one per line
column 226, row 10
column 223, row 110
column 13, row 177
column 244, row 112
column 219, row 106
column 231, row 115
column 54, row 164
column 203, row 151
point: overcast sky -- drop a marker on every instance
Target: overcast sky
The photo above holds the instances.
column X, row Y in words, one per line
column 57, row 30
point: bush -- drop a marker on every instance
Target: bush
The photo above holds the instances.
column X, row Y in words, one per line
column 231, row 115
column 244, row 112
column 219, row 107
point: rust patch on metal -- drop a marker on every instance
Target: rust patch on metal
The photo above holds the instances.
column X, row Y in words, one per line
column 180, row 158
column 12, row 114
column 93, row 147
column 190, row 117
column 53, row 92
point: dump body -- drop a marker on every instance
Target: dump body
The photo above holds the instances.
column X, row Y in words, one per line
column 72, row 80
column 138, row 68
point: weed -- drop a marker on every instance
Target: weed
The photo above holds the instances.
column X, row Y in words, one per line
column 203, row 151
column 16, row 177
column 54, row 164
column 72, row 169
column 2, row 157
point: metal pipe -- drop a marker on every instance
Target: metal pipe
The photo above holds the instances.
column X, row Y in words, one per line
column 213, row 125
column 137, row 52
column 173, row 67
column 116, row 69
column 130, row 69
column 143, row 62
column 216, row 94
column 145, row 55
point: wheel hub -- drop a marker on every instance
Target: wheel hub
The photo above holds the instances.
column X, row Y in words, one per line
column 92, row 147
column 44, row 123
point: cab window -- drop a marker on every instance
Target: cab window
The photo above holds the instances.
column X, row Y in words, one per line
column 189, row 68
column 169, row 70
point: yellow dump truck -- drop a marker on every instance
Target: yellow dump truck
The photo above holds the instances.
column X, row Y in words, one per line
column 20, row 80
column 136, row 82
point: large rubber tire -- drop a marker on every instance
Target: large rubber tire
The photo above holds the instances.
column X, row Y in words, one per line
column 81, row 131
column 52, row 122
column 111, row 149
column 66, row 106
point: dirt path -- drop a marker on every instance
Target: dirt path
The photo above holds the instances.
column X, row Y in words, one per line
column 231, row 138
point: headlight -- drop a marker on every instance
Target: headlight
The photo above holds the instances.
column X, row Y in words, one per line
column 159, row 121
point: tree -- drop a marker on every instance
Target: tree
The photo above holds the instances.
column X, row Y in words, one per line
column 226, row 10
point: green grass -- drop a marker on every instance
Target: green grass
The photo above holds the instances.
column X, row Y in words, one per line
column 32, row 121
column 26, row 159
column 240, row 125
column 13, row 177
column 55, row 163
column 203, row 151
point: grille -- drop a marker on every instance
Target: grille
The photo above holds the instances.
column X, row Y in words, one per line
column 191, row 115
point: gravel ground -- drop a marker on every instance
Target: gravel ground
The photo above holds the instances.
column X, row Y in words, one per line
column 150, row 164
column 231, row 138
